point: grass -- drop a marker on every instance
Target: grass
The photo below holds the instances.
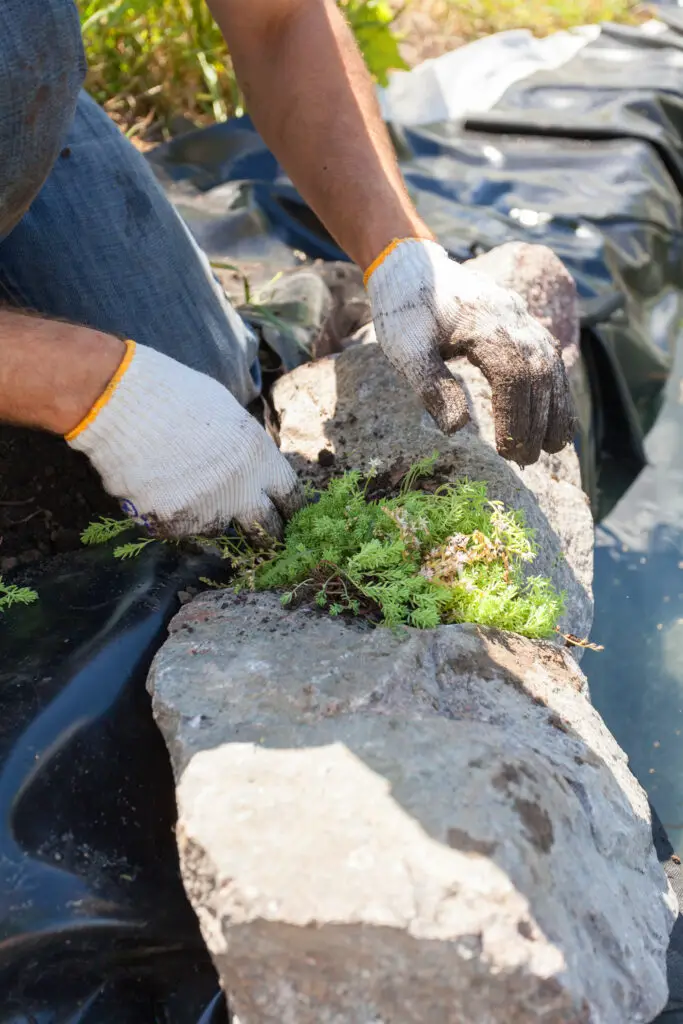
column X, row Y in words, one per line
column 481, row 17
column 152, row 59
column 431, row 27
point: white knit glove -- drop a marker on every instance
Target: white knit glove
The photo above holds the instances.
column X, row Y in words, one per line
column 428, row 308
column 182, row 454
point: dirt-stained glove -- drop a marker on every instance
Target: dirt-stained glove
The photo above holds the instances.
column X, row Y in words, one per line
column 428, row 308
column 182, row 454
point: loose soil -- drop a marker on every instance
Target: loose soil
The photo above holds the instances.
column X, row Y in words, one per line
column 48, row 494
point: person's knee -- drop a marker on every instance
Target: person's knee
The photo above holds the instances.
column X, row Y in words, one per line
column 42, row 67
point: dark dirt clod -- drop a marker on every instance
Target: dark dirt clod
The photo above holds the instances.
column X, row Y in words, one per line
column 326, row 458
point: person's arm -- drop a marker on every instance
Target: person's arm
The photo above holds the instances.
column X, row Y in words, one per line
column 313, row 101
column 173, row 445
column 52, row 373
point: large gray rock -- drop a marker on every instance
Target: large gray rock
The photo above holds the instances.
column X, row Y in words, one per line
column 409, row 827
column 361, row 414
column 419, row 826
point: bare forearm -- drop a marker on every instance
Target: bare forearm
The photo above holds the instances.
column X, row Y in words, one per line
column 51, row 373
column 313, row 101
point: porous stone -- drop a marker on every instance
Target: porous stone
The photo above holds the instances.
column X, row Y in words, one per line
column 405, row 826
column 411, row 827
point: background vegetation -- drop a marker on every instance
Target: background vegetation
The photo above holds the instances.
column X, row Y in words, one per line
column 151, row 60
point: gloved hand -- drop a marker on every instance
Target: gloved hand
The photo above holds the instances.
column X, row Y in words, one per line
column 428, row 308
column 182, row 454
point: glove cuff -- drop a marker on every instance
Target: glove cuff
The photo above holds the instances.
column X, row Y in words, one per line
column 106, row 395
column 387, row 251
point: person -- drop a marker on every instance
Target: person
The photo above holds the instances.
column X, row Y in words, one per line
column 113, row 332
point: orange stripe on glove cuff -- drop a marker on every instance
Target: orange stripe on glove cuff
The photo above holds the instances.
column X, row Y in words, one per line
column 379, row 260
column 106, row 395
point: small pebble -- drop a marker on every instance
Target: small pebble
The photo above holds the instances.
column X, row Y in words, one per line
column 184, row 596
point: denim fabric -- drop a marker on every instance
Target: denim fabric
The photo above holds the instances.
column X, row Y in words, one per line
column 42, row 67
column 101, row 245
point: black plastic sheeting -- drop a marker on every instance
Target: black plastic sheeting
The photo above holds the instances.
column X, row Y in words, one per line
column 95, row 927
column 94, row 924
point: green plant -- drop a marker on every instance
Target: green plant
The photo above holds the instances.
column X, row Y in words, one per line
column 157, row 57
column 11, row 594
column 471, row 19
column 371, row 22
column 420, row 558
column 150, row 59
column 550, row 16
column 107, row 529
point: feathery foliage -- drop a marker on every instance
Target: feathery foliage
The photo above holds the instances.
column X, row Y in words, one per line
column 11, row 594
column 418, row 558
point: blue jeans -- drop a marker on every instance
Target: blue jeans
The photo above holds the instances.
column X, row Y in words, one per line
column 100, row 244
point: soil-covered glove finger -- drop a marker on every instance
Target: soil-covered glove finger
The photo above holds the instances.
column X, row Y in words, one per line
column 267, row 520
column 287, row 494
column 562, row 414
column 521, row 391
column 550, row 293
column 523, row 364
column 179, row 448
column 441, row 394
column 261, row 525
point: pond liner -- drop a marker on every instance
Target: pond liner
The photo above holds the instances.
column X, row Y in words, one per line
column 94, row 922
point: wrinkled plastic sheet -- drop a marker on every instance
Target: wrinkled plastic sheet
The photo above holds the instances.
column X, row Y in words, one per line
column 584, row 156
column 95, row 927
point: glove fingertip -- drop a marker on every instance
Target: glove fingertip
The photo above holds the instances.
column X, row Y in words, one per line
column 263, row 526
column 562, row 424
column 556, row 441
column 445, row 401
column 290, row 501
